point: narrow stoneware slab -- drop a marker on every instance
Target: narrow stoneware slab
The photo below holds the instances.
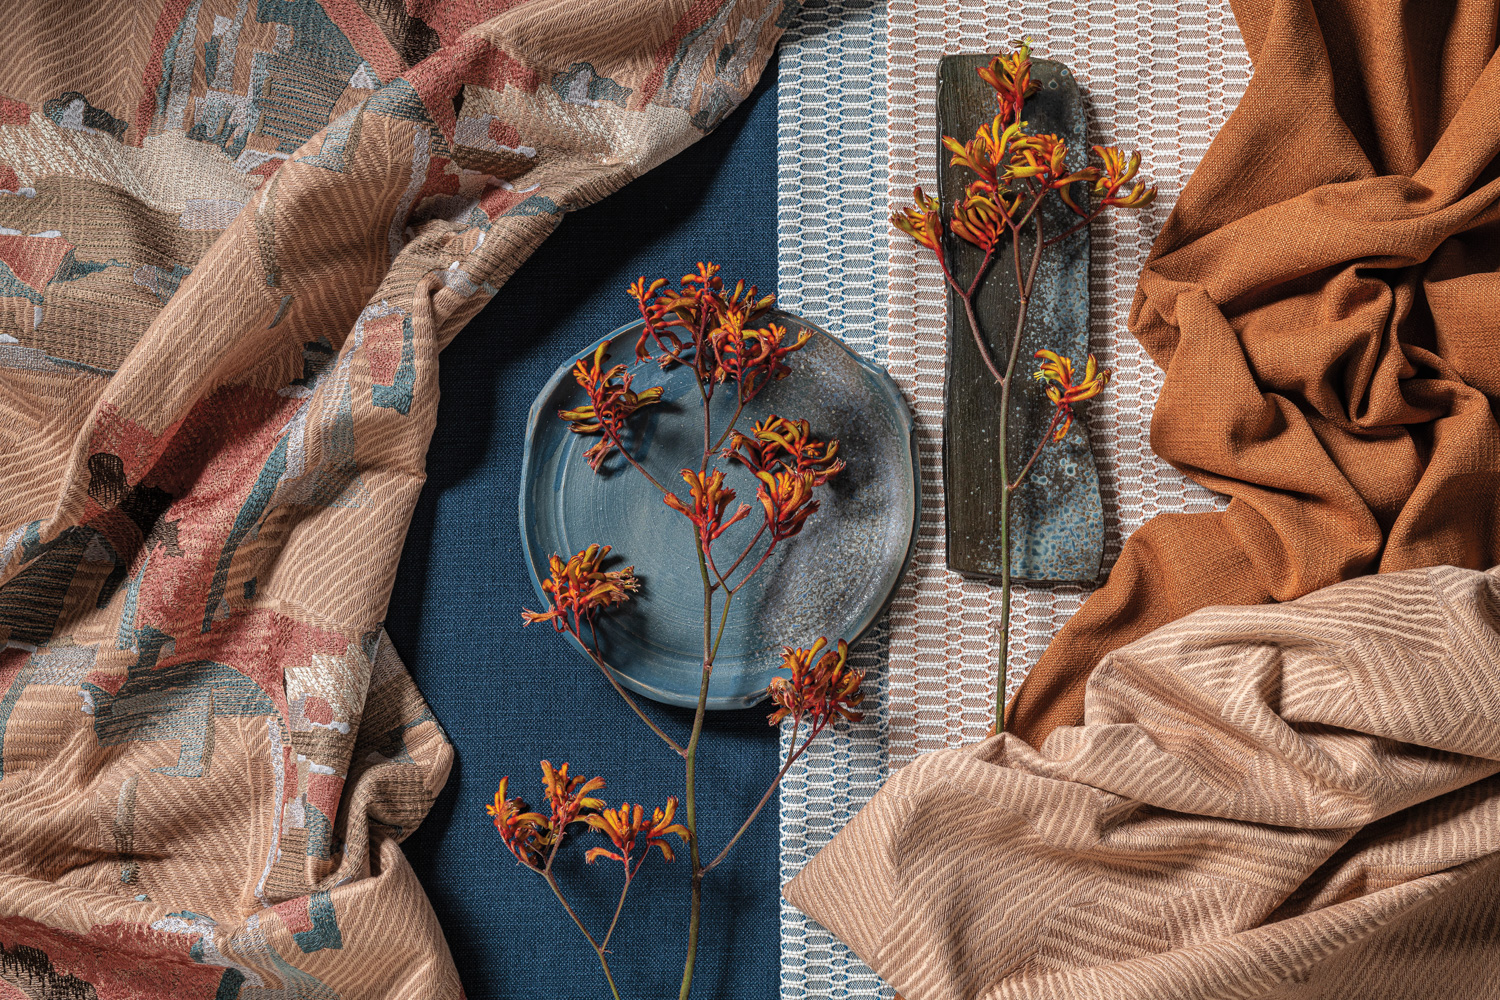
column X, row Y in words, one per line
column 1057, row 518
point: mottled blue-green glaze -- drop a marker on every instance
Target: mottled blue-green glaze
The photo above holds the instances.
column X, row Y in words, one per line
column 1057, row 517
column 832, row 580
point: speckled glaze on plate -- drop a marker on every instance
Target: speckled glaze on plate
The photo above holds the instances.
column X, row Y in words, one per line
column 832, row 580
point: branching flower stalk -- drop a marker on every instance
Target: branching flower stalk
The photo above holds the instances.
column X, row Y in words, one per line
column 715, row 334
column 1015, row 171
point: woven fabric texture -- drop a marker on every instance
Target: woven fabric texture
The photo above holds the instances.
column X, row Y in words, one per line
column 1290, row 800
column 1322, row 299
column 1158, row 76
column 508, row 696
column 234, row 238
column 1242, row 798
column 830, row 184
column 857, row 131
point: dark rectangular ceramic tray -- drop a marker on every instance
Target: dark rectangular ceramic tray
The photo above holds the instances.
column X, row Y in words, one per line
column 1057, row 517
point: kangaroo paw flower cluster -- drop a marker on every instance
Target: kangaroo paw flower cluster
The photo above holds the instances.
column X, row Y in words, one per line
column 1014, row 171
column 729, row 340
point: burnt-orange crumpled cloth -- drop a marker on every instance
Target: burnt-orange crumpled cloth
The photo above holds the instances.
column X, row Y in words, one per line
column 1325, row 303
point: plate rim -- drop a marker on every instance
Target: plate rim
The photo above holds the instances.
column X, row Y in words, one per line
column 881, row 377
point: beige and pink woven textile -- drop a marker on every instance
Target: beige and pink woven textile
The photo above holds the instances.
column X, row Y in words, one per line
column 1295, row 800
column 234, row 237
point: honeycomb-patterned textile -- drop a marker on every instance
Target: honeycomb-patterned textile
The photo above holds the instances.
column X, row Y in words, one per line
column 857, row 88
column 833, row 261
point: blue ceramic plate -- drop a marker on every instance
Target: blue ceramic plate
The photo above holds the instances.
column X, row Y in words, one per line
column 832, row 580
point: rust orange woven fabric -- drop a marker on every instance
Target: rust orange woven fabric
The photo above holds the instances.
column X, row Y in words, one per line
column 234, row 237
column 1325, row 304
column 1293, row 800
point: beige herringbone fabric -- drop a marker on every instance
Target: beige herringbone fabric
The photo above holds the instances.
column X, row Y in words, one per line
column 1298, row 800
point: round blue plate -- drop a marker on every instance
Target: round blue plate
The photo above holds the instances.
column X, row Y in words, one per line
column 832, row 580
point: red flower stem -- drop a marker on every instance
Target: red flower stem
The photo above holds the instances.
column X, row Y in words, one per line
column 708, row 554
column 629, row 875
column 614, row 682
column 707, row 428
column 1015, row 231
column 739, row 391
column 732, row 421
column 984, row 266
column 756, row 568
column 775, row 783
column 984, row 350
column 1087, row 221
column 748, row 549
column 1024, row 298
column 1046, row 436
column 967, row 296
column 598, row 949
column 615, row 440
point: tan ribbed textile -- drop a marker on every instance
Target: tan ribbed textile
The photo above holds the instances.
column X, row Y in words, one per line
column 1297, row 800
column 234, row 237
column 1324, row 302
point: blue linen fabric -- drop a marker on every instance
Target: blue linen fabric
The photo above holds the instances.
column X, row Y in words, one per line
column 509, row 697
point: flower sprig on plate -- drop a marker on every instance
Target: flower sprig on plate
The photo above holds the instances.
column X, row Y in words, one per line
column 728, row 340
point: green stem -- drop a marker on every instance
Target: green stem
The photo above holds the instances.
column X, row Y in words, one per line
column 690, row 800
column 598, row 950
column 1006, row 488
column 723, row 620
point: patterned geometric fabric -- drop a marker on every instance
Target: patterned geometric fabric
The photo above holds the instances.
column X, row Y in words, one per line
column 858, row 90
column 234, row 237
column 831, row 157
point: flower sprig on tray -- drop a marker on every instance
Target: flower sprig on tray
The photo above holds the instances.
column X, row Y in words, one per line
column 1014, row 171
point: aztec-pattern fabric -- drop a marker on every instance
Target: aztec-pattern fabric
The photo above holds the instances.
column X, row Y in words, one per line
column 234, row 237
column 1295, row 800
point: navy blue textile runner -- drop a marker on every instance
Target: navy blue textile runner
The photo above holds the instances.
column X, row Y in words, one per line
column 509, row 697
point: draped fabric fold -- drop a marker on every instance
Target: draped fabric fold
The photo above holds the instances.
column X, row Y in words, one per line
column 1291, row 800
column 1325, row 303
column 234, row 237
column 1205, row 795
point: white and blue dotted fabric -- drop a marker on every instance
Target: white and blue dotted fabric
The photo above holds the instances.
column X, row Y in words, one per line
column 831, row 106
column 857, row 130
